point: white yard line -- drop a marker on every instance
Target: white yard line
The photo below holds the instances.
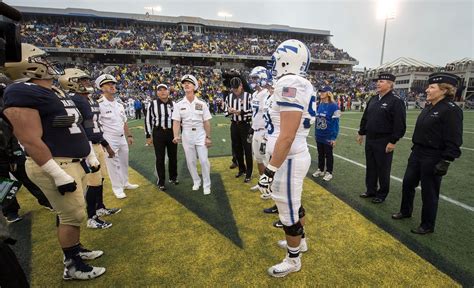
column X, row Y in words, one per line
column 446, row 198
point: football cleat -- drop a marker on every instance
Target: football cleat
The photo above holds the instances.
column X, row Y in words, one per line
column 107, row 211
column 287, row 266
column 96, row 223
column 75, row 270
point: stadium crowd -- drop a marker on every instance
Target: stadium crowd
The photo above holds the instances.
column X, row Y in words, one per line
column 141, row 81
column 142, row 36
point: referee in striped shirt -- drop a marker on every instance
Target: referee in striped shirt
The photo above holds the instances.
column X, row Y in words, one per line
column 159, row 132
column 240, row 112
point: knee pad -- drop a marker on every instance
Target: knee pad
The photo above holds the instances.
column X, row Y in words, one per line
column 294, row 230
column 301, row 212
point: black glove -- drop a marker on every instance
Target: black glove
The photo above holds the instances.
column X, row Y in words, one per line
column 441, row 168
column 68, row 187
column 94, row 168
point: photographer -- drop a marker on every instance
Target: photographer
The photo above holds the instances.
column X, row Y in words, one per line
column 11, row 273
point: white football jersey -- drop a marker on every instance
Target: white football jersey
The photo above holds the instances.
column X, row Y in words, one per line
column 292, row 93
column 258, row 99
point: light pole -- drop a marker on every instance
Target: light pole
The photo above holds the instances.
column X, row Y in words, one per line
column 224, row 14
column 387, row 11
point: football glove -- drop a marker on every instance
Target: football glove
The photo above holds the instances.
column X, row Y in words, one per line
column 92, row 160
column 266, row 180
column 441, row 168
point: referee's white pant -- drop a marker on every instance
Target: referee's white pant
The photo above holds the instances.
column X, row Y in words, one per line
column 194, row 140
column 287, row 186
column 117, row 166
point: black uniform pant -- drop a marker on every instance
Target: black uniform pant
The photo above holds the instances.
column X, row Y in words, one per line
column 379, row 165
column 163, row 141
column 138, row 113
column 20, row 174
column 239, row 133
column 420, row 168
column 325, row 157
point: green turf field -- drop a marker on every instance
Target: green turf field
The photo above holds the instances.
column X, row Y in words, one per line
column 183, row 238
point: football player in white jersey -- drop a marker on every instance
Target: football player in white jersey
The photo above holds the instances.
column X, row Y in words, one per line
column 258, row 82
column 291, row 113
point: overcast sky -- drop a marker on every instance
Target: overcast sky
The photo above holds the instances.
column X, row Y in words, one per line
column 435, row 31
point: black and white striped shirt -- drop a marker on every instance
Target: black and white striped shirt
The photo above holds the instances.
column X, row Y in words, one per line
column 242, row 103
column 158, row 115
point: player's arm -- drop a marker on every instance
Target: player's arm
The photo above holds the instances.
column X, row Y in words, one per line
column 28, row 130
column 289, row 123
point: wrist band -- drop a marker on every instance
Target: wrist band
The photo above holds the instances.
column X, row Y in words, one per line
column 272, row 168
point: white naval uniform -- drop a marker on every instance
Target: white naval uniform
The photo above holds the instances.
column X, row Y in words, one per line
column 192, row 116
column 292, row 93
column 258, row 125
column 113, row 119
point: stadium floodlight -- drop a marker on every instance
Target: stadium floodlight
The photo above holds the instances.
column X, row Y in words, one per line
column 385, row 10
column 224, row 14
column 153, row 9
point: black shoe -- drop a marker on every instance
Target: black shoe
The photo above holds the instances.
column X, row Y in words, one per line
column 366, row 195
column 422, row 231
column 162, row 187
column 377, row 200
column 239, row 174
column 400, row 215
column 271, row 210
column 233, row 165
column 247, row 179
column 13, row 218
column 278, row 224
column 175, row 181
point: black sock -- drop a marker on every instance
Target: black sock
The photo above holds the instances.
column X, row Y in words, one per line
column 100, row 196
column 71, row 252
column 91, row 200
column 293, row 252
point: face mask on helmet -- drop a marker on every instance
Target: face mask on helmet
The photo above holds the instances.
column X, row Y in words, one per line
column 85, row 85
column 53, row 68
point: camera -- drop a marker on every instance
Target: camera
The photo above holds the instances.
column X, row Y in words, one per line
column 10, row 40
